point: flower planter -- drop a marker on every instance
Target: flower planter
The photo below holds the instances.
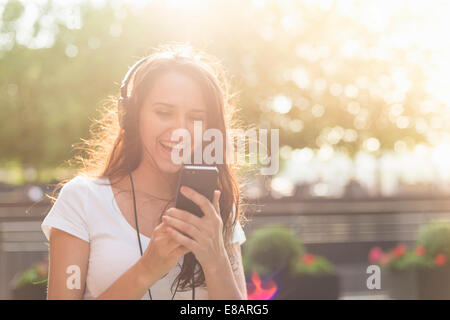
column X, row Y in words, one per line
column 401, row 285
column 309, row 287
column 419, row 284
column 30, row 292
column 434, row 284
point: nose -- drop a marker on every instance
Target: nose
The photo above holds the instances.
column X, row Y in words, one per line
column 180, row 121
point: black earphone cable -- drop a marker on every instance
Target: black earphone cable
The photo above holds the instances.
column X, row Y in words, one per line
column 140, row 244
column 136, row 222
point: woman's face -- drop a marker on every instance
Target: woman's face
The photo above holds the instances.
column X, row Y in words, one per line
column 175, row 101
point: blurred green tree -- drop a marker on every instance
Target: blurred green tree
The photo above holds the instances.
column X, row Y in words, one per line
column 319, row 74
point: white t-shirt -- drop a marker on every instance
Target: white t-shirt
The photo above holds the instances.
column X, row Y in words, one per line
column 86, row 208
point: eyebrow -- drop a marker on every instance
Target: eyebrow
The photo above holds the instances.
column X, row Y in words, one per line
column 173, row 106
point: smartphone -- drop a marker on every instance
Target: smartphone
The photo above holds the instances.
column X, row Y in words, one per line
column 202, row 179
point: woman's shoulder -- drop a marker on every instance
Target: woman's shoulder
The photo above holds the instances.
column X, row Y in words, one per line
column 82, row 183
column 68, row 212
column 87, row 181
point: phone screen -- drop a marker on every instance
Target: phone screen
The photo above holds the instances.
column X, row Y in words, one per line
column 202, row 179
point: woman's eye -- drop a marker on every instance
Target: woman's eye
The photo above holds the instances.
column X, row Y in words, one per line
column 163, row 113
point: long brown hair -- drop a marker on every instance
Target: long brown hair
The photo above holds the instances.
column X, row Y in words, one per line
column 103, row 154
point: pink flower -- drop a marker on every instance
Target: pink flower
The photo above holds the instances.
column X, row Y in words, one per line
column 375, row 254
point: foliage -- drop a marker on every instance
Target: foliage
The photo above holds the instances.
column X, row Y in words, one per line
column 60, row 65
column 430, row 251
column 37, row 273
column 313, row 265
column 435, row 236
column 271, row 250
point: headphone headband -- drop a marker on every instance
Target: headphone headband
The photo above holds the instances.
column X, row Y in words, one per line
column 127, row 78
column 123, row 100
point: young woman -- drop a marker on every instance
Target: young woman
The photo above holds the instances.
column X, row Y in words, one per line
column 113, row 231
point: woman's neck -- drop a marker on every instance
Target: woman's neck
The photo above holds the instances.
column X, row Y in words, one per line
column 150, row 180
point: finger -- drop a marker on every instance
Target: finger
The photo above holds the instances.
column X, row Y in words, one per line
column 215, row 202
column 185, row 216
column 205, row 205
column 182, row 239
column 168, row 242
column 182, row 226
column 160, row 228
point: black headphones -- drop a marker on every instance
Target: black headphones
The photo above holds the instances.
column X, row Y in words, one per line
column 123, row 105
column 124, row 99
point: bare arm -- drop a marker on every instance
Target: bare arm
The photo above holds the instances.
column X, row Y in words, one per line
column 159, row 258
column 132, row 285
column 67, row 250
column 227, row 279
column 235, row 257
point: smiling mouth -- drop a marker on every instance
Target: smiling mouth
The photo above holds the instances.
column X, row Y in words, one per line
column 170, row 145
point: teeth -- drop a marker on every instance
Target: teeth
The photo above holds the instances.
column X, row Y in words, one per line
column 171, row 144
